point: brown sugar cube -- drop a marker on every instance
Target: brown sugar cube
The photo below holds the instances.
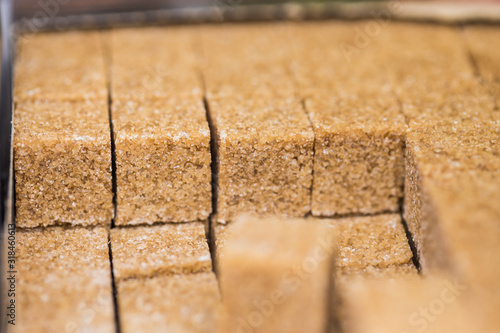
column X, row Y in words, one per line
column 445, row 149
column 60, row 66
column 460, row 233
column 484, row 46
column 248, row 61
column 63, row 276
column 370, row 241
column 263, row 139
column 275, row 275
column 358, row 126
column 160, row 249
column 177, row 303
column 62, row 155
column 349, row 276
column 452, row 211
column 440, row 85
column 458, row 214
column 161, row 132
column 263, row 152
column 154, row 63
column 358, row 163
column 433, row 304
column 459, row 222
column 163, row 161
column 370, row 247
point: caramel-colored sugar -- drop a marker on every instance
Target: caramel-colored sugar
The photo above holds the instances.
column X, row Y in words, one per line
column 154, row 63
column 460, row 232
column 284, row 265
column 357, row 169
column 219, row 234
column 62, row 154
column 177, row 303
column 247, row 61
column 358, row 125
column 433, row 304
column 451, row 207
column 160, row 126
column 370, row 248
column 60, row 66
column 264, row 156
column 465, row 204
column 160, row 250
column 484, row 45
column 348, row 275
column 366, row 243
column 263, row 139
column 162, row 161
column 434, row 152
column 322, row 64
column 370, row 241
column 456, row 148
column 63, row 281
column 413, row 199
column 433, row 76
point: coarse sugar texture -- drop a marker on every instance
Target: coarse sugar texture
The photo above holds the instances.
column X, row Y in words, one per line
column 63, row 276
column 358, row 126
column 440, row 86
column 396, row 271
column 414, row 198
column 150, row 63
column 62, row 161
column 284, row 266
column 176, row 303
column 263, row 153
column 370, row 248
column 263, row 139
column 163, row 160
column 140, row 252
column 436, row 303
column 60, row 66
column 247, row 60
column 456, row 147
column 484, row 46
column 358, row 165
column 443, row 150
column 370, row 241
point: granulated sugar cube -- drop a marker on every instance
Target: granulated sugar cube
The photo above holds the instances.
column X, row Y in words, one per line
column 176, row 303
column 162, row 161
column 358, row 125
column 275, row 275
column 62, row 153
column 63, row 276
column 161, row 249
column 263, row 139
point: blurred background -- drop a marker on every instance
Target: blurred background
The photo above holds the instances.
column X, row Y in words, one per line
column 71, row 7
column 35, row 15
